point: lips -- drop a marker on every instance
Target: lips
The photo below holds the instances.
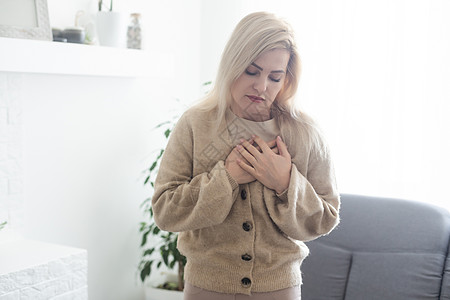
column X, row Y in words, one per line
column 255, row 99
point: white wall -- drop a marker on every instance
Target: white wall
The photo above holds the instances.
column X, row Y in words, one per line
column 375, row 76
column 84, row 151
column 11, row 157
column 86, row 140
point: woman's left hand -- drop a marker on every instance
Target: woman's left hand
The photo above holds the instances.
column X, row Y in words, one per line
column 271, row 169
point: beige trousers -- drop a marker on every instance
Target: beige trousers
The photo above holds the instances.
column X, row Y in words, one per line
column 194, row 293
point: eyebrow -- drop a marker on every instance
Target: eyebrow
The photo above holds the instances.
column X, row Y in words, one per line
column 261, row 69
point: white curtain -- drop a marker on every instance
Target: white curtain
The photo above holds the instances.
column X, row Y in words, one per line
column 376, row 76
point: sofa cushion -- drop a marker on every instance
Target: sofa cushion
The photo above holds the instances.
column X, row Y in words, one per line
column 371, row 224
column 412, row 276
column 330, row 266
column 385, row 248
column 445, row 292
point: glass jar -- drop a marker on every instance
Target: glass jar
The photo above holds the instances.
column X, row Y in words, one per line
column 134, row 36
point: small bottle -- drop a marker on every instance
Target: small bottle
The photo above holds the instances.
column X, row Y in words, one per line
column 134, row 32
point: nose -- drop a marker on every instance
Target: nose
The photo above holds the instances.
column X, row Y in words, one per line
column 260, row 84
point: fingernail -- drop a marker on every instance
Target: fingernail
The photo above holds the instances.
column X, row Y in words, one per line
column 238, row 147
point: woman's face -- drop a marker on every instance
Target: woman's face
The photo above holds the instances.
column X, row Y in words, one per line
column 255, row 90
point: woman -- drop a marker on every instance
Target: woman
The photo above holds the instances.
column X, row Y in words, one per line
column 245, row 178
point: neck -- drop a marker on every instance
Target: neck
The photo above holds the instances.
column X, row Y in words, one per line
column 252, row 114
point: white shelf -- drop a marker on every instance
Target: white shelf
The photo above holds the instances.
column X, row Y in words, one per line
column 32, row 56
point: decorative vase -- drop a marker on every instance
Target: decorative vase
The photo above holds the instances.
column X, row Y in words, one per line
column 112, row 29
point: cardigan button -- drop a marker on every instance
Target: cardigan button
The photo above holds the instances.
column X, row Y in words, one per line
column 247, row 226
column 246, row 282
column 246, row 257
column 244, row 194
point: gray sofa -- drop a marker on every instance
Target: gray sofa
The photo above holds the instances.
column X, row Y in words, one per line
column 383, row 249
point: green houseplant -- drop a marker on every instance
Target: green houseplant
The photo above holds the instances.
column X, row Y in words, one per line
column 167, row 241
column 167, row 245
column 101, row 4
column 111, row 26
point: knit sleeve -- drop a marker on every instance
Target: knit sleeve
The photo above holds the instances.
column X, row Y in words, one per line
column 309, row 207
column 183, row 202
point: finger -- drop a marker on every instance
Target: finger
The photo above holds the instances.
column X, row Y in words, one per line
column 252, row 142
column 275, row 150
column 282, row 147
column 263, row 145
column 272, row 143
column 249, row 157
column 239, row 156
column 250, row 148
column 246, row 167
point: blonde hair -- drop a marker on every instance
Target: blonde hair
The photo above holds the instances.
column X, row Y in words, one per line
column 255, row 34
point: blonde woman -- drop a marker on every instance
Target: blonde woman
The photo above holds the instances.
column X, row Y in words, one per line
column 246, row 178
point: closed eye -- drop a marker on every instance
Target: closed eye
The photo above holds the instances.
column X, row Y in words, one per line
column 256, row 73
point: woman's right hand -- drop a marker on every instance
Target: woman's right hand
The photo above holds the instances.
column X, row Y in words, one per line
column 240, row 175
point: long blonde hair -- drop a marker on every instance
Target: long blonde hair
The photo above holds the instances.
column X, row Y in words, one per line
column 255, row 34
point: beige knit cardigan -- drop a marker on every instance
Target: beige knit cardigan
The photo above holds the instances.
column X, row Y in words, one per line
column 241, row 238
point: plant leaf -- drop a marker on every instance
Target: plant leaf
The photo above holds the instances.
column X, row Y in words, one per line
column 160, row 154
column 165, row 256
column 172, row 263
column 153, row 166
column 162, row 124
column 146, row 271
column 172, row 247
column 148, row 252
column 143, row 226
column 156, row 230
column 144, row 238
column 167, row 133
